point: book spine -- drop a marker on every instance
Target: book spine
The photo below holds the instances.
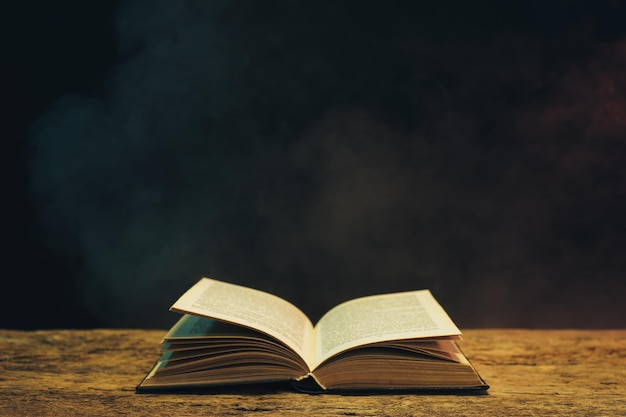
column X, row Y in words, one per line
column 309, row 384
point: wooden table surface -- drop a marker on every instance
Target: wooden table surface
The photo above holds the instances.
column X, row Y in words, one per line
column 531, row 372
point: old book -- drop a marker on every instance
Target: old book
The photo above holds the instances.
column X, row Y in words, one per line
column 230, row 334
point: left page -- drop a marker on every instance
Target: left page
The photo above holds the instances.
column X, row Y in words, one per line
column 250, row 308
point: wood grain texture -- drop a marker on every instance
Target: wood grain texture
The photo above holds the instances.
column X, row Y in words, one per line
column 94, row 373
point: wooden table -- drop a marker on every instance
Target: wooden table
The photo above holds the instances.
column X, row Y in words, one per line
column 94, row 373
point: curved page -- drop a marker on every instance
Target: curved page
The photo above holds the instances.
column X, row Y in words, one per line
column 250, row 308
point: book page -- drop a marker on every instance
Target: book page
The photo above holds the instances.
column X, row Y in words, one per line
column 381, row 318
column 250, row 308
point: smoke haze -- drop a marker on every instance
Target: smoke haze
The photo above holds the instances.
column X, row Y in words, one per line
column 323, row 152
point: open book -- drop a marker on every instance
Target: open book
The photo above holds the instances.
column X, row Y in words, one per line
column 230, row 334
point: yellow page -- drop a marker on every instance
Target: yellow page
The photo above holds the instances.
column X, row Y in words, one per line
column 380, row 318
column 251, row 308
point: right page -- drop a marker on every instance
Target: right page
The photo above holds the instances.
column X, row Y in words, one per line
column 379, row 318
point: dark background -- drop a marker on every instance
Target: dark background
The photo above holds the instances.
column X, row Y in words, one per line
column 317, row 150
